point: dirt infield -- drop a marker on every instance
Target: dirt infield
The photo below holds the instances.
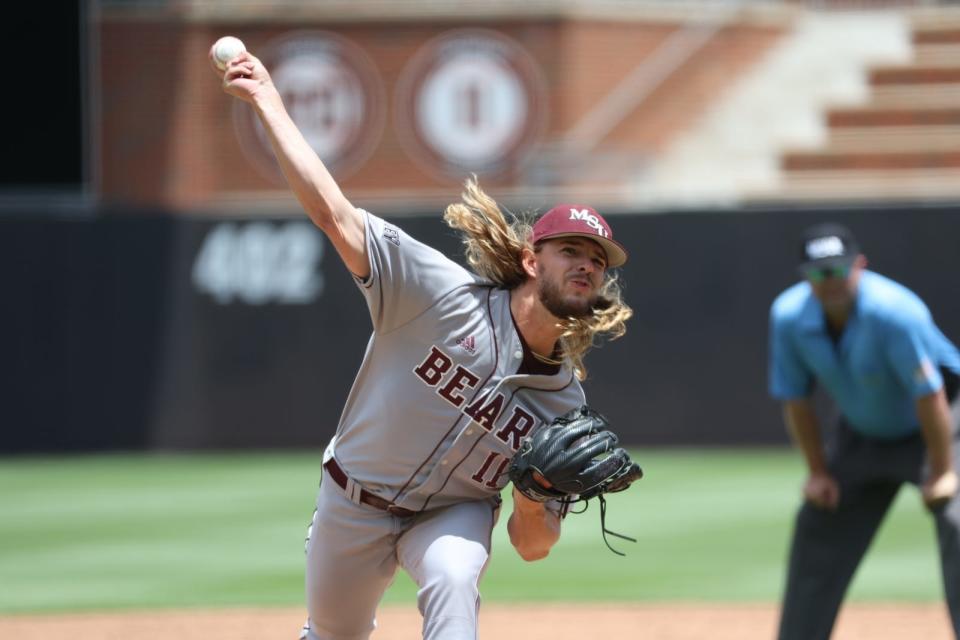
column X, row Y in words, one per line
column 532, row 622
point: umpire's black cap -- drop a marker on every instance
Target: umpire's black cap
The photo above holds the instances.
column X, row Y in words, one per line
column 827, row 245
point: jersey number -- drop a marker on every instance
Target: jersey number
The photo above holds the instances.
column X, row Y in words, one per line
column 484, row 476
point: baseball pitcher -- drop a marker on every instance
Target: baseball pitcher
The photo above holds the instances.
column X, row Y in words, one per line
column 462, row 369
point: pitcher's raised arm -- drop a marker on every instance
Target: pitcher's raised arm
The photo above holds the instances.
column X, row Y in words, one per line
column 245, row 78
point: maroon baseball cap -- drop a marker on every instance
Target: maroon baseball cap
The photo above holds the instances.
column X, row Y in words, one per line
column 566, row 220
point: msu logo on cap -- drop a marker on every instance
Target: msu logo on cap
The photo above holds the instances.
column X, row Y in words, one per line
column 594, row 221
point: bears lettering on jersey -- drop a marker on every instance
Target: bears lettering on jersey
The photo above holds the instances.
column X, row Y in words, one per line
column 435, row 371
column 453, row 382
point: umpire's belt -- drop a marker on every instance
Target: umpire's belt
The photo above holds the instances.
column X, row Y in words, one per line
column 338, row 476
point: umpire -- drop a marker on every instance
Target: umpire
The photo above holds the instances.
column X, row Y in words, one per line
column 871, row 343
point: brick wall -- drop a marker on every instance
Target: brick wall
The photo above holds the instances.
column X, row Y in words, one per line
column 169, row 136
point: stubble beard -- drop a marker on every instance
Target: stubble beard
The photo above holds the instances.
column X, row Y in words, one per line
column 552, row 299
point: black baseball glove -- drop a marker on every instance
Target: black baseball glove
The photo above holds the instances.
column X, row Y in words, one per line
column 574, row 459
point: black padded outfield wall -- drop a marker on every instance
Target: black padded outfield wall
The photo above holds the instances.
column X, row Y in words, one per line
column 142, row 331
column 266, row 331
column 83, row 309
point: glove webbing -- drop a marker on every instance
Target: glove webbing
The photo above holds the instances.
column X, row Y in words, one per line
column 603, row 522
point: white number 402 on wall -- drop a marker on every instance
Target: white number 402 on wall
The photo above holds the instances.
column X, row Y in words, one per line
column 260, row 263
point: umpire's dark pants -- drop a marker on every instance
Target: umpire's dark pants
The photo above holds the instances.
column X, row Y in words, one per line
column 828, row 545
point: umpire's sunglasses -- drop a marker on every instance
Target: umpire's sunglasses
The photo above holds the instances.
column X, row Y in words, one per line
column 819, row 274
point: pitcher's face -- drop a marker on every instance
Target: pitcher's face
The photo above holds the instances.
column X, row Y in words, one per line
column 569, row 273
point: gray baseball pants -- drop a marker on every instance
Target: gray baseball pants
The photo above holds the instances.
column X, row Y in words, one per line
column 829, row 545
column 354, row 550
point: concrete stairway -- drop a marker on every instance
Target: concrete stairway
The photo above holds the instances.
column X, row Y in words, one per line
column 904, row 142
column 735, row 151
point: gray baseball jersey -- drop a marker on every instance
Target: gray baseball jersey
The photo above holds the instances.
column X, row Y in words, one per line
column 435, row 415
column 437, row 409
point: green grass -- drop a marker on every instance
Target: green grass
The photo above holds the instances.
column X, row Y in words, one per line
column 192, row 530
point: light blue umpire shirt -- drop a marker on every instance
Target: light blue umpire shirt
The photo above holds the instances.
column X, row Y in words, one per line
column 889, row 354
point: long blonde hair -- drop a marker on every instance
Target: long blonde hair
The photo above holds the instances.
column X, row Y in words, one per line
column 494, row 248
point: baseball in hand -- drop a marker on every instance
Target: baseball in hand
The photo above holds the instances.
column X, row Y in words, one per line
column 226, row 49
